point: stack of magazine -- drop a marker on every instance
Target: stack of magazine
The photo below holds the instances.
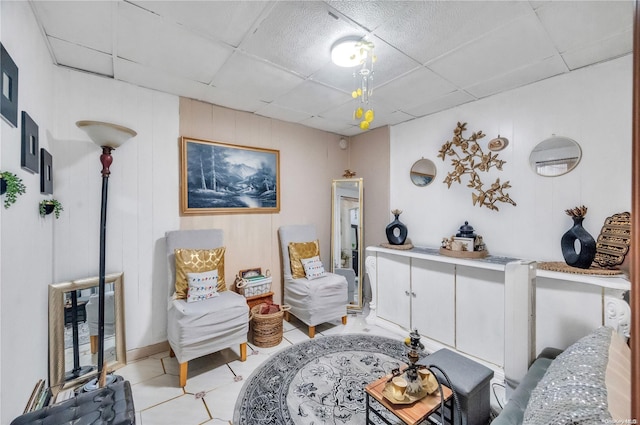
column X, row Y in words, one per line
column 40, row 397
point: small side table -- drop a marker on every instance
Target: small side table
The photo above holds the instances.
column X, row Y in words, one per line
column 258, row 299
column 410, row 414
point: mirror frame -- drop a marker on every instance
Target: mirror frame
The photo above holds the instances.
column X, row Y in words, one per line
column 360, row 248
column 56, row 329
column 548, row 141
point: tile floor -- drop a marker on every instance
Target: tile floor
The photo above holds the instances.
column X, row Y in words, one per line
column 214, row 381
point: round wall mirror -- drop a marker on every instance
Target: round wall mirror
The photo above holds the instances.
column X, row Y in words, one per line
column 555, row 156
column 423, row 172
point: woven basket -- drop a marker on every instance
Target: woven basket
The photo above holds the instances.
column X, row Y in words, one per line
column 267, row 328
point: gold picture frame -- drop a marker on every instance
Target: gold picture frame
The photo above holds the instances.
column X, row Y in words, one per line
column 220, row 178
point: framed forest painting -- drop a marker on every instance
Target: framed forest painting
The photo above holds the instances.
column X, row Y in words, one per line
column 220, row 178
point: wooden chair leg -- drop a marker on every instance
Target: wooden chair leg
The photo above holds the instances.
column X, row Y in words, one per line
column 93, row 341
column 286, row 316
column 183, row 373
column 312, row 331
column 243, row 351
column 344, row 320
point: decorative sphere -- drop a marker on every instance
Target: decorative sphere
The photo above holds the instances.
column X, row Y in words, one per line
column 364, row 125
column 359, row 112
column 368, row 116
column 354, row 94
column 359, row 91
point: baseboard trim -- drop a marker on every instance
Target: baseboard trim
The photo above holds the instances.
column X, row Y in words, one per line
column 149, row 350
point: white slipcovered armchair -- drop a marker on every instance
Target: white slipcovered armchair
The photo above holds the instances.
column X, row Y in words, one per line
column 199, row 328
column 312, row 301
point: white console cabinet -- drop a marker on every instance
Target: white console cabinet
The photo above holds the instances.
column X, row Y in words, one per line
column 452, row 302
column 498, row 310
column 418, row 294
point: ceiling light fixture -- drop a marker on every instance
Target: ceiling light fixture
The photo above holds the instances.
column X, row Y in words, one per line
column 350, row 52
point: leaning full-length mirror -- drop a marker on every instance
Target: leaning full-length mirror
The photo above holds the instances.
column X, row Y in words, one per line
column 73, row 309
column 347, row 235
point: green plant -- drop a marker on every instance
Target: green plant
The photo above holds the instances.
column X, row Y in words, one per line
column 15, row 187
column 57, row 207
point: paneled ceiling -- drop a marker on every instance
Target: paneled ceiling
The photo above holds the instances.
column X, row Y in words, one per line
column 272, row 58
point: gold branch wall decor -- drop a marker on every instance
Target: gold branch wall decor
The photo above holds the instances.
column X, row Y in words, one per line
column 468, row 158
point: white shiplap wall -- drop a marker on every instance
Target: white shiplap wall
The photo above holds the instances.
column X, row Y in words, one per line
column 591, row 106
column 142, row 197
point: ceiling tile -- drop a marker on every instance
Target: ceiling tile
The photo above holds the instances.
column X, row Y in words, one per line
column 502, row 82
column 369, row 14
column 145, row 76
column 440, row 104
column 241, row 101
column 412, row 89
column 573, row 24
column 610, row 48
column 273, row 111
column 329, row 125
column 145, row 38
column 298, row 35
column 248, row 75
column 521, row 43
column 227, row 21
column 312, row 98
column 87, row 23
column 428, row 29
column 76, row 56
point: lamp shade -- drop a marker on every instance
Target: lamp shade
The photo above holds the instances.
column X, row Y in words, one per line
column 106, row 134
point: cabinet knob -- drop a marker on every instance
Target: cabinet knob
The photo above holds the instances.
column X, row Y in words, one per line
column 407, row 293
column 414, row 294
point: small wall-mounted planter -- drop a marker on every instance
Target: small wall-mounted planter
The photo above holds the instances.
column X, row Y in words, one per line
column 49, row 206
column 11, row 187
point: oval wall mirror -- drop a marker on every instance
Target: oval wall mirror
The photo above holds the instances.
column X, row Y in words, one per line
column 555, row 156
column 423, row 171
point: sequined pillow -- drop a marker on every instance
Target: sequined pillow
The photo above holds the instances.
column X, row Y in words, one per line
column 313, row 268
column 198, row 261
column 572, row 390
column 202, row 286
column 298, row 251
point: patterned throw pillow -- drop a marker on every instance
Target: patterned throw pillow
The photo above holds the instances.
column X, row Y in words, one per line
column 313, row 267
column 198, row 261
column 298, row 251
column 202, row 286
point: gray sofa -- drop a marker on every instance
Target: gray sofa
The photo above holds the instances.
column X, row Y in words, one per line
column 513, row 412
column 596, row 368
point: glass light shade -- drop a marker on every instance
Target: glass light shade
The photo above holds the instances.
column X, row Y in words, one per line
column 348, row 53
column 106, row 134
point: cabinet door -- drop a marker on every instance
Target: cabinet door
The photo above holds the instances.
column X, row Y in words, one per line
column 433, row 300
column 393, row 289
column 480, row 313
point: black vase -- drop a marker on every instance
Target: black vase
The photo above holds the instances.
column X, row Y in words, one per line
column 396, row 231
column 3, row 186
column 587, row 253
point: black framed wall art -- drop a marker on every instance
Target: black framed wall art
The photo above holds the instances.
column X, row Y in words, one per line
column 30, row 144
column 9, row 88
column 46, row 172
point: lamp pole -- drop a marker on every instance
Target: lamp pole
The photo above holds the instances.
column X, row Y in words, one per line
column 106, row 159
column 109, row 137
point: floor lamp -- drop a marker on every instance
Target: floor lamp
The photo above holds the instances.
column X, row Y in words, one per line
column 108, row 137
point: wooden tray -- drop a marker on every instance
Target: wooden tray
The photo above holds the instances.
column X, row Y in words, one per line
column 463, row 254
